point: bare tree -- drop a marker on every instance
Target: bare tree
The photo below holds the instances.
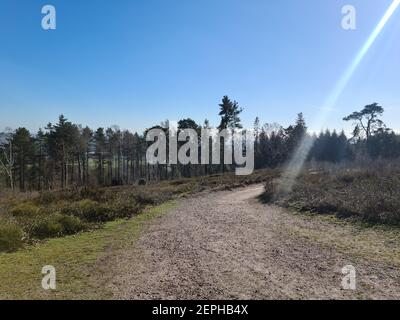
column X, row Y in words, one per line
column 6, row 156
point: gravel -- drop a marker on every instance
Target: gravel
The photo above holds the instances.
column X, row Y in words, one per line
column 227, row 245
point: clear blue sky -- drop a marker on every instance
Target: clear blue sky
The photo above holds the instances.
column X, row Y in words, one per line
column 136, row 63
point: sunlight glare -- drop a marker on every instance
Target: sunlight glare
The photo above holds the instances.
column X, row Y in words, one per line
column 296, row 164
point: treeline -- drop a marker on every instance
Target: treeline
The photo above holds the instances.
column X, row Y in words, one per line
column 371, row 140
column 67, row 154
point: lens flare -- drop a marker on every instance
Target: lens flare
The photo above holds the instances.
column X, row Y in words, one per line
column 295, row 165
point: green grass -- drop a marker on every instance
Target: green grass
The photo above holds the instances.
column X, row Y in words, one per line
column 26, row 218
column 76, row 259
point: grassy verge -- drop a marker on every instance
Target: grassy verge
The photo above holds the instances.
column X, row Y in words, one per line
column 377, row 243
column 370, row 196
column 31, row 218
column 75, row 259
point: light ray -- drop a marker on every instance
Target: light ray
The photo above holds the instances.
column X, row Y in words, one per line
column 296, row 164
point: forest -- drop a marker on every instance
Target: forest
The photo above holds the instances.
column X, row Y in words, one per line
column 66, row 154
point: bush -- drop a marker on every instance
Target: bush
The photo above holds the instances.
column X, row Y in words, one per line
column 10, row 237
column 373, row 197
column 25, row 209
column 381, row 210
column 48, row 227
column 92, row 193
column 71, row 225
column 73, row 194
column 46, row 197
column 145, row 198
column 269, row 192
column 87, row 206
column 56, row 225
column 124, row 208
column 92, row 211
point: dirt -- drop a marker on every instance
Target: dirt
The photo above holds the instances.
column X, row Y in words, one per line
column 228, row 245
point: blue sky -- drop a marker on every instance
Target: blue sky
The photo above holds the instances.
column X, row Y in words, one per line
column 136, row 63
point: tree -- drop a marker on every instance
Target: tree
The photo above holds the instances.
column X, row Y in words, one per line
column 100, row 148
column 62, row 139
column 366, row 121
column 6, row 156
column 188, row 123
column 85, row 139
column 24, row 147
column 295, row 134
column 384, row 144
column 229, row 112
column 40, row 148
column 256, row 129
column 206, row 124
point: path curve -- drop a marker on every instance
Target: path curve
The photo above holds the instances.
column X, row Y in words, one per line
column 227, row 245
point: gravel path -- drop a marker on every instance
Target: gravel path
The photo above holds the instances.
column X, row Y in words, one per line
column 227, row 245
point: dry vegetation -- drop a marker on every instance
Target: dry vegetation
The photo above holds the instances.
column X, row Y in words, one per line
column 29, row 218
column 370, row 194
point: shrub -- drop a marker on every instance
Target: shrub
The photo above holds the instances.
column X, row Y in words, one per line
column 124, row 208
column 92, row 193
column 124, row 205
column 92, row 211
column 145, row 198
column 73, row 194
column 71, row 225
column 326, row 206
column 347, row 178
column 48, row 227
column 25, row 209
column 56, row 225
column 46, row 197
column 370, row 196
column 142, row 182
column 269, row 192
column 87, row 205
column 10, row 237
column 383, row 210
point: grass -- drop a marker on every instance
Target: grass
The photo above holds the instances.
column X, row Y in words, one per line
column 378, row 243
column 27, row 218
column 75, row 259
column 355, row 211
column 371, row 196
column 112, row 217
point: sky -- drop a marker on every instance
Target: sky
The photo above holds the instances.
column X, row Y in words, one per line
column 136, row 63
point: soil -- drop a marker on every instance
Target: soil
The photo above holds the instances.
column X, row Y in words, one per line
column 228, row 245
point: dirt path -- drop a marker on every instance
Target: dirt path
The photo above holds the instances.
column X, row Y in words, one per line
column 226, row 245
